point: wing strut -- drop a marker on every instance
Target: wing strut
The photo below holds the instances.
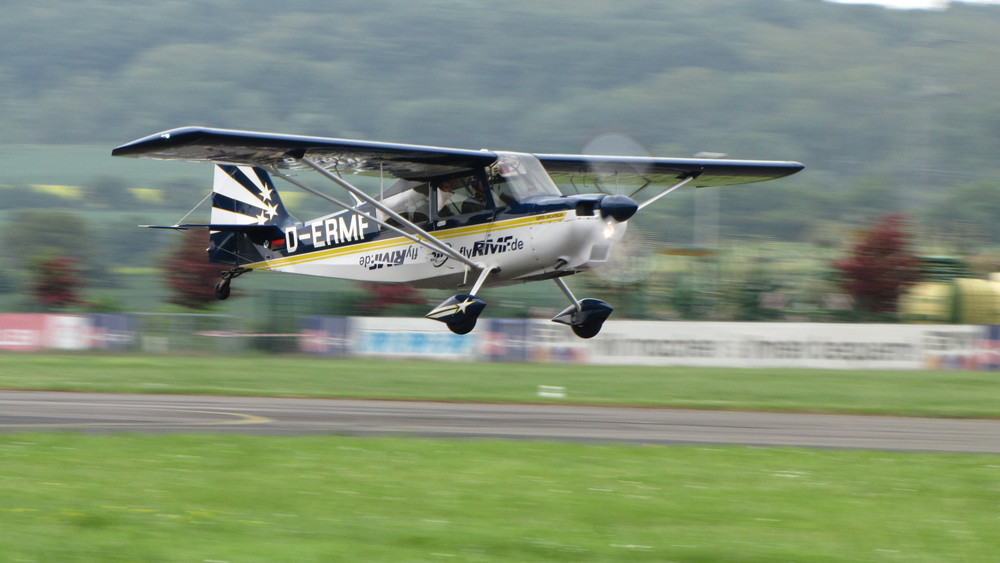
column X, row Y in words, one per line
column 430, row 241
column 347, row 206
column 667, row 191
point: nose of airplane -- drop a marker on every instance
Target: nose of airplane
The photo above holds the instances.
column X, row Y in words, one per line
column 618, row 207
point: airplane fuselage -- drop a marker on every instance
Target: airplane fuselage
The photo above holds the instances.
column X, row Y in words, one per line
column 557, row 237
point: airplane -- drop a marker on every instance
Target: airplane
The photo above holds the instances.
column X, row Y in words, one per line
column 455, row 219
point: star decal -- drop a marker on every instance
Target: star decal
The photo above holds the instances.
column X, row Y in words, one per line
column 271, row 211
column 461, row 307
column 261, row 218
column 458, row 308
column 265, row 192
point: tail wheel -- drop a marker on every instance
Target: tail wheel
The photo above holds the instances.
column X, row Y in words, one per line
column 222, row 290
column 222, row 286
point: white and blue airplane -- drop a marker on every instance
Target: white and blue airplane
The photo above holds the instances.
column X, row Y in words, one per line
column 462, row 220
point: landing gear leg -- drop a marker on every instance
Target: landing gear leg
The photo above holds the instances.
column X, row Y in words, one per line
column 222, row 288
column 586, row 316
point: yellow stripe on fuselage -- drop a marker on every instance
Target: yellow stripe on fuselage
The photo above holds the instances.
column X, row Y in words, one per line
column 357, row 248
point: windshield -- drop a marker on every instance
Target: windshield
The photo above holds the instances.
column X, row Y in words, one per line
column 458, row 195
column 515, row 176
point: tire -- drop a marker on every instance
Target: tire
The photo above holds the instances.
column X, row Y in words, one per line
column 464, row 327
column 587, row 331
column 222, row 290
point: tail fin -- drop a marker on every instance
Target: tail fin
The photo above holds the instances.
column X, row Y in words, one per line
column 244, row 196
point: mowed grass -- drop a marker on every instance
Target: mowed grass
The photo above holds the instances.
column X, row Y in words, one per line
column 74, row 497
column 915, row 393
column 227, row 497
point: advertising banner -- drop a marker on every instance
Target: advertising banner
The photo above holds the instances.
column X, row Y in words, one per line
column 329, row 336
column 22, row 333
column 67, row 332
column 989, row 349
column 33, row 332
column 651, row 343
column 646, row 343
column 112, row 332
column 810, row 345
column 507, row 340
column 412, row 338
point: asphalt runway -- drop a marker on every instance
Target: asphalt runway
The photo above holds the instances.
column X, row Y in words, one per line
column 103, row 413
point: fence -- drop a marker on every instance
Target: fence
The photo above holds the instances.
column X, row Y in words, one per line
column 147, row 332
column 761, row 345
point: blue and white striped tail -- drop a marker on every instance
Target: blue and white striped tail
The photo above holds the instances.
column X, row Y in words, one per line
column 245, row 195
column 246, row 212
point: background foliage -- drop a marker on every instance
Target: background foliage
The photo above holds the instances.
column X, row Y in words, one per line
column 891, row 111
column 848, row 89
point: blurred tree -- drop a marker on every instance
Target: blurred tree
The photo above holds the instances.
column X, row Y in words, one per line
column 689, row 303
column 919, row 87
column 35, row 232
column 122, row 243
column 7, row 283
column 743, row 94
column 189, row 275
column 880, row 266
column 110, row 192
column 748, row 297
column 27, row 197
column 383, row 297
column 31, row 235
column 184, row 193
column 782, row 210
column 869, row 197
column 56, row 282
column 970, row 209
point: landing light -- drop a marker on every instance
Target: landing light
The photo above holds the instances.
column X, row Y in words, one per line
column 609, row 230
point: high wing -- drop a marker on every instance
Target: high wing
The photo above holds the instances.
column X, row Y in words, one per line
column 202, row 144
column 419, row 162
column 609, row 173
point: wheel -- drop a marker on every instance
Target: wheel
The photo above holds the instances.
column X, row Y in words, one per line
column 589, row 330
column 585, row 318
column 464, row 327
column 222, row 290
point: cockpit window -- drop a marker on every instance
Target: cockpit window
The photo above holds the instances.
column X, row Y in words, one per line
column 422, row 201
column 409, row 199
column 458, row 196
column 515, row 176
column 512, row 178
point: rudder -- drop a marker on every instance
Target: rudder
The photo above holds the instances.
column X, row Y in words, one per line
column 243, row 195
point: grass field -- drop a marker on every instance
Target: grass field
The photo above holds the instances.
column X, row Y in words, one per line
column 66, row 497
column 924, row 392
column 122, row 497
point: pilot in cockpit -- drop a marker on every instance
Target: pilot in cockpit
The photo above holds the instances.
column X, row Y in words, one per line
column 455, row 197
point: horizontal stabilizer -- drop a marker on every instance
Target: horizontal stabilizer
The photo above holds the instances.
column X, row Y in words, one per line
column 269, row 230
column 171, row 227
